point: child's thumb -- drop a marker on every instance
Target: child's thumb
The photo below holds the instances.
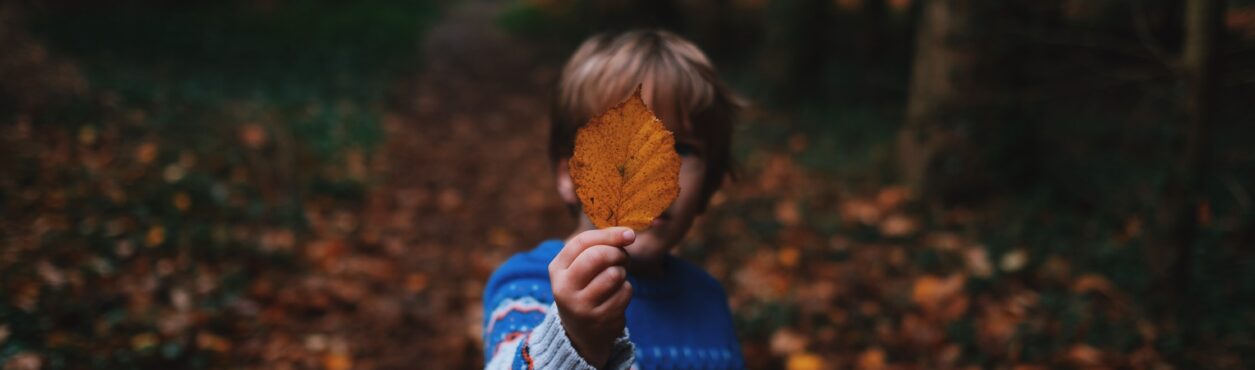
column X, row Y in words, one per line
column 622, row 235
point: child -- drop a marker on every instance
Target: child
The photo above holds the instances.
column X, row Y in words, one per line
column 613, row 298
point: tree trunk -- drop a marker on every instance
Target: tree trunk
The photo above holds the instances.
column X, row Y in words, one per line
column 944, row 86
column 1198, row 56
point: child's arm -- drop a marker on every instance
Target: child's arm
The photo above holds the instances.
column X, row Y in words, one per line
column 584, row 325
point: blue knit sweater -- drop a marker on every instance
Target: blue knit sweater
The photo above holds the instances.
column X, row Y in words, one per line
column 678, row 321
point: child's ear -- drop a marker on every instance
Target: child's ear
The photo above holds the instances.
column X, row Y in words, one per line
column 566, row 188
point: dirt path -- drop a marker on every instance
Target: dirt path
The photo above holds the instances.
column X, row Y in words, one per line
column 460, row 183
column 467, row 183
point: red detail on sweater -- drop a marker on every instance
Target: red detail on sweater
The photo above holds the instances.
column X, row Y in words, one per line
column 514, row 307
column 527, row 354
column 508, row 338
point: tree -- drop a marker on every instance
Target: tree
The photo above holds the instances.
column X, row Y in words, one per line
column 944, row 99
column 1197, row 70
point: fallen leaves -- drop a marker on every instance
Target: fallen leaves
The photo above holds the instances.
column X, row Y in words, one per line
column 1014, row 260
column 898, row 226
column 1093, row 283
column 253, row 135
column 625, row 168
column 835, row 266
column 804, row 361
column 977, row 261
column 872, row 359
column 1082, row 355
column 337, row 361
column 153, row 220
column 146, row 152
column 182, row 201
column 213, row 342
column 940, row 298
column 145, row 340
column 787, row 342
column 24, row 361
column 155, row 236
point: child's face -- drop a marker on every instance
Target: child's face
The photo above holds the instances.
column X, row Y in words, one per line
column 670, row 227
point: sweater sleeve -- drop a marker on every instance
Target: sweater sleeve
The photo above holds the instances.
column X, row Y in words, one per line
column 549, row 348
column 522, row 329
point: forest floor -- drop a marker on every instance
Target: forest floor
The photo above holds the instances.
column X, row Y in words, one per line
column 131, row 242
column 463, row 181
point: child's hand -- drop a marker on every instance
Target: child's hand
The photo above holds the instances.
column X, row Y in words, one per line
column 589, row 279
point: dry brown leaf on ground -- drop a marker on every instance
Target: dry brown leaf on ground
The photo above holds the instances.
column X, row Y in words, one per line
column 940, row 298
column 804, row 361
column 625, row 167
column 872, row 359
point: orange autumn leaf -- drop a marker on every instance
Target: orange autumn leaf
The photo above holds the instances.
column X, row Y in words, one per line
column 337, row 361
column 871, row 359
column 804, row 361
column 625, row 167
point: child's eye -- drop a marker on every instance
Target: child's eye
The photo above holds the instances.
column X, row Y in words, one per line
column 685, row 150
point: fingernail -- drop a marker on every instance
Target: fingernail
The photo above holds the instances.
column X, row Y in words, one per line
column 629, row 234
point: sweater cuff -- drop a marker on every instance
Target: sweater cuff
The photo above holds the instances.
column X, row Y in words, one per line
column 550, row 348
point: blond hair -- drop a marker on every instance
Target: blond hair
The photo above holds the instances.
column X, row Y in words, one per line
column 604, row 70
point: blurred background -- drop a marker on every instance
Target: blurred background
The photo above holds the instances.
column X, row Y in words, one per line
column 925, row 184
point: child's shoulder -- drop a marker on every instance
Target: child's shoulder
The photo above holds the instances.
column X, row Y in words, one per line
column 530, row 267
column 536, row 258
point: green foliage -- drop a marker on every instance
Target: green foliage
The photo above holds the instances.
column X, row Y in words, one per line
column 188, row 166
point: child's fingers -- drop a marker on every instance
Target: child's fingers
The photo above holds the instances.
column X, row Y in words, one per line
column 593, row 262
column 615, row 236
column 617, row 302
column 604, row 285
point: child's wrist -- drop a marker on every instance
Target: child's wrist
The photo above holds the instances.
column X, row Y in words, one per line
column 598, row 358
column 594, row 353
